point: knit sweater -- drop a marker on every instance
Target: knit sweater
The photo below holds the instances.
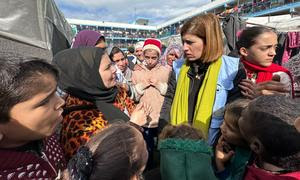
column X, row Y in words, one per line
column 27, row 164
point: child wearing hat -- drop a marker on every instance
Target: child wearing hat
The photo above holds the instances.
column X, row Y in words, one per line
column 150, row 83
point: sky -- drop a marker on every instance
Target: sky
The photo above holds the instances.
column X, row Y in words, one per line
column 126, row 11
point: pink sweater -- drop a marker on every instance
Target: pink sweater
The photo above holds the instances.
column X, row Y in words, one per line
column 152, row 95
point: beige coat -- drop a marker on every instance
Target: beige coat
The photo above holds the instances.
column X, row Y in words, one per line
column 151, row 94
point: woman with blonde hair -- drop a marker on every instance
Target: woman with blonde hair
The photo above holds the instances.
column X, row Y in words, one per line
column 207, row 79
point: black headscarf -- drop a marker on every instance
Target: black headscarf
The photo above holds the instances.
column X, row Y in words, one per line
column 79, row 76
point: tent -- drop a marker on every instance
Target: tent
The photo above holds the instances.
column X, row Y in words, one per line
column 33, row 28
column 280, row 22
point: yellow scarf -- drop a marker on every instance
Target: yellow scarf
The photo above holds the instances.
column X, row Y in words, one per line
column 205, row 100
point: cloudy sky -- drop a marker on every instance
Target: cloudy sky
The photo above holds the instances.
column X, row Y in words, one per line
column 126, row 11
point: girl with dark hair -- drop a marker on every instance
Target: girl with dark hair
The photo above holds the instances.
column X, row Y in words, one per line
column 94, row 100
column 117, row 153
column 124, row 73
column 269, row 126
column 30, row 111
column 257, row 47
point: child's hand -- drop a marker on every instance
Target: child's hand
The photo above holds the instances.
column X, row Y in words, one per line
column 140, row 87
column 223, row 154
column 153, row 82
column 140, row 115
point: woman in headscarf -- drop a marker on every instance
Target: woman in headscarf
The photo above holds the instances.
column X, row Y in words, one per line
column 85, row 38
column 89, row 38
column 173, row 58
column 93, row 101
column 172, row 54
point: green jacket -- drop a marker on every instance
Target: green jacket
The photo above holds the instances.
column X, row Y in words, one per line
column 238, row 163
column 235, row 169
column 185, row 160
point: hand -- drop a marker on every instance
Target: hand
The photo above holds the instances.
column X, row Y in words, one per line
column 153, row 82
column 125, row 86
column 252, row 90
column 276, row 78
column 223, row 154
column 137, row 67
column 140, row 115
column 143, row 85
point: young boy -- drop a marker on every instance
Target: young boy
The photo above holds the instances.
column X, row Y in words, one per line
column 30, row 112
column 231, row 151
column 269, row 125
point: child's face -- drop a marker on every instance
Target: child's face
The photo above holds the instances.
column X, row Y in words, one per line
column 151, row 57
column 230, row 132
column 263, row 51
column 36, row 117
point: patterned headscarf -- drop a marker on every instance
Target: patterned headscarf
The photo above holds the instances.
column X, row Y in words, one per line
column 173, row 47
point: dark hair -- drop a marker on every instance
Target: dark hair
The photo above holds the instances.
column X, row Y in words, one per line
column 248, row 36
column 114, row 51
column 21, row 79
column 180, row 132
column 118, row 153
column 235, row 110
column 208, row 28
column 101, row 38
column 271, row 119
column 131, row 49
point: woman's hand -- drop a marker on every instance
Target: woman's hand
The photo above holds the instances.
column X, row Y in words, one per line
column 252, row 90
column 140, row 115
column 223, row 154
column 124, row 86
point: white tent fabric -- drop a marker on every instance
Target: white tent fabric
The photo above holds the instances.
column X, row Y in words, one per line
column 36, row 26
column 281, row 22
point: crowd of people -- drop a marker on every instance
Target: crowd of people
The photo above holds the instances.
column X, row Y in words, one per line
column 188, row 112
column 118, row 32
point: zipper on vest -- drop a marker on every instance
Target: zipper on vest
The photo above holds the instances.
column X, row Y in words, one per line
column 46, row 159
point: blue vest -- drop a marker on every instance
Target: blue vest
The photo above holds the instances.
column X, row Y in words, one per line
column 228, row 71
